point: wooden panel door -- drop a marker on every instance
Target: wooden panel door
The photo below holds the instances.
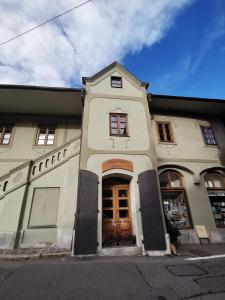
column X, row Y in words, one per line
column 116, row 219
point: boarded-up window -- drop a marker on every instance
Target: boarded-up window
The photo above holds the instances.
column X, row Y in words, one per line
column 44, row 208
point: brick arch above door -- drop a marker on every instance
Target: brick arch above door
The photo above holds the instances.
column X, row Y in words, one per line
column 117, row 164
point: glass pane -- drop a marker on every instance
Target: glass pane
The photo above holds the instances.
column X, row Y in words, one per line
column 122, row 131
column 164, row 181
column 5, row 141
column 175, row 179
column 113, row 125
column 169, row 139
column 8, row 129
column 208, row 182
column 175, row 208
column 107, row 214
column 208, row 136
column 113, row 131
column 123, row 119
column 123, row 193
column 107, row 193
column 114, row 119
column 51, row 131
column 107, row 204
column 124, row 213
column 41, row 136
column 122, row 125
column 123, row 203
column 51, row 136
column 50, row 142
column 43, row 131
column 41, row 142
column 7, row 135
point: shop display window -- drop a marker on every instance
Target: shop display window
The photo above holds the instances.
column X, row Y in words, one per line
column 215, row 184
column 174, row 199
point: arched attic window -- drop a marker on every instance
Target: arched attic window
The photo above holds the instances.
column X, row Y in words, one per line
column 215, row 184
column 174, row 199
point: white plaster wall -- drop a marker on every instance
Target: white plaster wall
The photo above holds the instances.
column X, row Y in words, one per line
column 65, row 177
column 23, row 148
column 98, row 128
column 188, row 140
column 103, row 86
column 10, row 207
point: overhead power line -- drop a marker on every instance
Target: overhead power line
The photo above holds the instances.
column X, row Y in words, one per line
column 45, row 22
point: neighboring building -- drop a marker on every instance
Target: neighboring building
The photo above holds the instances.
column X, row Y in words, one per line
column 82, row 169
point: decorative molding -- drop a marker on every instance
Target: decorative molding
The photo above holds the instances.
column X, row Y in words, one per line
column 188, row 160
column 117, row 164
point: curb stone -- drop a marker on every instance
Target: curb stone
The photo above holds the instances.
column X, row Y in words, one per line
column 33, row 256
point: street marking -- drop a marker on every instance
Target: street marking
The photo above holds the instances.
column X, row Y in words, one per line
column 205, row 257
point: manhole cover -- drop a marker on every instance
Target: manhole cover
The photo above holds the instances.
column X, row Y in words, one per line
column 186, row 270
column 212, row 284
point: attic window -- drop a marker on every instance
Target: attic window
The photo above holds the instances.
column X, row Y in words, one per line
column 116, row 82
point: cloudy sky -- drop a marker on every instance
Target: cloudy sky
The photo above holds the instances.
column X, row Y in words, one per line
column 177, row 46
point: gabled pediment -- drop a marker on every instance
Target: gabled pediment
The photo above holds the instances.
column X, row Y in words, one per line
column 115, row 67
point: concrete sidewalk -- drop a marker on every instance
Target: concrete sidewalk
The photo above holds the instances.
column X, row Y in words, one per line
column 195, row 250
column 188, row 250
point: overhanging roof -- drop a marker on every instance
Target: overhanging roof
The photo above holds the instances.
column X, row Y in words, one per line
column 40, row 100
column 187, row 105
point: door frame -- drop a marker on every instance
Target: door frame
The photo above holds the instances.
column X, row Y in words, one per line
column 134, row 204
column 115, row 187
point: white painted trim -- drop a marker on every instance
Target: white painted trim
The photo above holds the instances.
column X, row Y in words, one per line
column 205, row 257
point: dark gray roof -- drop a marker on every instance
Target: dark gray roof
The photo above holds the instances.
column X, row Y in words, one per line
column 187, row 105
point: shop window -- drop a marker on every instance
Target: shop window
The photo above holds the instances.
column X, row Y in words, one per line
column 165, row 132
column 116, row 82
column 174, row 199
column 44, row 208
column 208, row 136
column 215, row 184
column 5, row 134
column 118, row 124
column 45, row 135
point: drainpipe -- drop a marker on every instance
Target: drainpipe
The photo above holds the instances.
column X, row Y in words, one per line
column 23, row 207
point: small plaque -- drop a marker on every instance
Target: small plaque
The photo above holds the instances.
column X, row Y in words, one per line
column 201, row 232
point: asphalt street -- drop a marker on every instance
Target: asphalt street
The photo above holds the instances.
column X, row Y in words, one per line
column 113, row 278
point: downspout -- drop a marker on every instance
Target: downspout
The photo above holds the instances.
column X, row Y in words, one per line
column 83, row 92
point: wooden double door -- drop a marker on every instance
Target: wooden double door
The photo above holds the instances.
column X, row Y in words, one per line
column 116, row 214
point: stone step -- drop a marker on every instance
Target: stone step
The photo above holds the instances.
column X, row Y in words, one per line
column 121, row 251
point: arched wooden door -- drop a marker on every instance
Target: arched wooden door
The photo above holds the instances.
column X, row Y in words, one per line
column 116, row 213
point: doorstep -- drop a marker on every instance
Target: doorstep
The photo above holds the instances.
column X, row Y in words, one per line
column 120, row 251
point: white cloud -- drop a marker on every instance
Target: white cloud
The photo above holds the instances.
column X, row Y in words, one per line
column 81, row 42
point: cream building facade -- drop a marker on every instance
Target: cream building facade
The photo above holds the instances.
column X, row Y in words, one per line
column 97, row 170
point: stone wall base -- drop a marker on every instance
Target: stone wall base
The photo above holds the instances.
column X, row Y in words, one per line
column 7, row 239
column 189, row 236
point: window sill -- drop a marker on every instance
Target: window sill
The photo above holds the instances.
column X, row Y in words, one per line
column 42, row 227
column 211, row 146
column 44, row 146
column 6, row 146
column 167, row 143
column 120, row 136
